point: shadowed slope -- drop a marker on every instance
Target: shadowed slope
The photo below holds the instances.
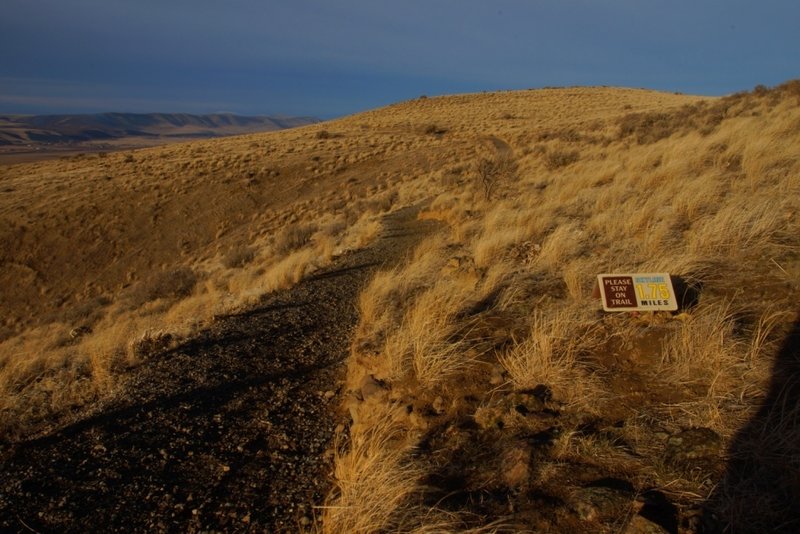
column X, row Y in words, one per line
column 761, row 487
column 226, row 432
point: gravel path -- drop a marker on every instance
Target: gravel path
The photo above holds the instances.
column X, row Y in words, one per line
column 226, row 433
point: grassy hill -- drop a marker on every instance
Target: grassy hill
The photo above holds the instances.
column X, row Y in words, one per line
column 486, row 388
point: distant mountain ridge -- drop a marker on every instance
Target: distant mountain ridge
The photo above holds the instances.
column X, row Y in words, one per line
column 65, row 129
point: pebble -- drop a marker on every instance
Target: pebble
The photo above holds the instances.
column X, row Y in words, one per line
column 693, row 446
column 594, row 503
column 438, row 405
column 641, row 525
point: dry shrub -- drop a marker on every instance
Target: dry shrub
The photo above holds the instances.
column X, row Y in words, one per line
column 284, row 273
column 378, row 485
column 362, row 232
column 651, row 127
column 494, row 245
column 565, row 242
column 292, row 238
column 172, row 284
column 569, row 135
column 52, row 379
column 491, row 171
column 432, row 129
column 385, row 303
column 574, row 275
column 743, row 227
column 557, row 159
column 238, row 256
column 790, row 89
column 150, row 342
column 647, row 127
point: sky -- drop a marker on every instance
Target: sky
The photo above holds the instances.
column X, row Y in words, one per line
column 329, row 58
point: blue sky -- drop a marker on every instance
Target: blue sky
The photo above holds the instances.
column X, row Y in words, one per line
column 330, row 58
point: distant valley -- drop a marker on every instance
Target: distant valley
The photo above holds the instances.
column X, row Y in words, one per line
column 28, row 137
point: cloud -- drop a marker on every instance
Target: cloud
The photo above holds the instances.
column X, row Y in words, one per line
column 40, row 104
column 35, row 95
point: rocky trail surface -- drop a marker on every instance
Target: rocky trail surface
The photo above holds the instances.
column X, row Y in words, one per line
column 228, row 432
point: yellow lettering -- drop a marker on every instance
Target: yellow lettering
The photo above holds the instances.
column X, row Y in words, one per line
column 664, row 291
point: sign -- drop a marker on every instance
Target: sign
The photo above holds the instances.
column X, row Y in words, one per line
column 637, row 292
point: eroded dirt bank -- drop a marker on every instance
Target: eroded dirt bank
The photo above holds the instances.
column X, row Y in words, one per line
column 228, row 432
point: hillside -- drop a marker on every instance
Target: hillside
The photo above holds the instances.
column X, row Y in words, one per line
column 485, row 388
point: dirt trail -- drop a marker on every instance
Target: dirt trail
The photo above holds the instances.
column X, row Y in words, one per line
column 227, row 432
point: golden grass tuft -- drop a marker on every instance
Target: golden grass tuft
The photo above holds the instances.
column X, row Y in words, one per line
column 374, row 479
column 425, row 345
column 550, row 356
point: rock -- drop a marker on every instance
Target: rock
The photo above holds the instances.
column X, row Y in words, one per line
column 371, row 387
column 497, row 377
column 542, row 392
column 596, row 502
column 525, row 402
column 488, row 417
column 516, row 465
column 355, row 415
column 641, row 525
column 418, row 421
column 694, row 447
column 461, row 266
column 79, row 331
column 329, row 394
column 438, row 405
column 524, row 252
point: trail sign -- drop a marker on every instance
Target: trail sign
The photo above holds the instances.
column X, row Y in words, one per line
column 637, row 292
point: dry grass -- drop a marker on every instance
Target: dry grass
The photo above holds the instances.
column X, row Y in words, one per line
column 375, row 478
column 550, row 355
column 704, row 348
column 425, row 344
column 697, row 194
column 603, row 180
column 113, row 258
column 379, row 488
